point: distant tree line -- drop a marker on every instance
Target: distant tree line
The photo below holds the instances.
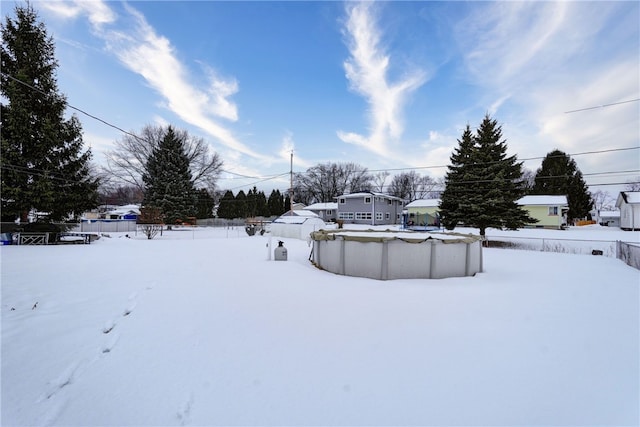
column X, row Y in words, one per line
column 252, row 204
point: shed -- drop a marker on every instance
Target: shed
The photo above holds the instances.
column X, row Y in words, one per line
column 629, row 204
column 423, row 212
column 297, row 224
column 326, row 211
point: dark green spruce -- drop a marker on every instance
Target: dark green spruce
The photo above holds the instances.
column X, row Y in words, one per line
column 168, row 182
column 483, row 184
column 559, row 175
column 44, row 166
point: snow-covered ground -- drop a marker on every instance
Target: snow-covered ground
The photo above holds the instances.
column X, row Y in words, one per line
column 198, row 327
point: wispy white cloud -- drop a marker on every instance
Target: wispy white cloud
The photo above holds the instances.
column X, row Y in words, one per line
column 287, row 147
column 97, row 11
column 533, row 61
column 367, row 72
column 139, row 48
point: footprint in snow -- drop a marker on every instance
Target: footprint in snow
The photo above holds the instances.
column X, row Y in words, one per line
column 184, row 414
column 63, row 380
column 108, row 326
column 110, row 343
column 127, row 311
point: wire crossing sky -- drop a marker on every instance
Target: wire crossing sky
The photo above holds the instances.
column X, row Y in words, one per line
column 386, row 85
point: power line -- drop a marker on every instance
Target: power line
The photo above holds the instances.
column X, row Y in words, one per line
column 37, row 172
column 602, row 106
column 138, row 138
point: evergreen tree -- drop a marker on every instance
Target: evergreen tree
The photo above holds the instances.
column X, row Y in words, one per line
column 204, row 205
column 275, row 203
column 484, row 184
column 43, row 164
column 227, row 206
column 252, row 202
column 559, row 175
column 261, row 202
column 241, row 204
column 167, row 179
column 456, row 180
column 286, row 203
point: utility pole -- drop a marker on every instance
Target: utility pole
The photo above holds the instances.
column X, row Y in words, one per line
column 291, row 186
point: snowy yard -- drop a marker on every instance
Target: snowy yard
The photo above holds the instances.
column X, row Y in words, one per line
column 197, row 327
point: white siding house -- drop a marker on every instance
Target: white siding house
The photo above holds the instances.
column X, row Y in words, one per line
column 629, row 204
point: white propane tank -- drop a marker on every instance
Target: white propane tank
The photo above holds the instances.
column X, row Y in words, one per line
column 280, row 253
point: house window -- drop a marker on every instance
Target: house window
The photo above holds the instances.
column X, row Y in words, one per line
column 329, row 212
column 378, row 216
column 363, row 215
column 389, row 201
column 367, row 200
column 342, row 201
column 345, row 215
column 388, row 216
column 553, row 211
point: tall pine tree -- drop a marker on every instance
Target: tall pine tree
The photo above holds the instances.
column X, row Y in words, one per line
column 453, row 206
column 44, row 166
column 241, row 204
column 483, row 184
column 227, row 206
column 168, row 182
column 204, row 205
column 275, row 203
column 559, row 175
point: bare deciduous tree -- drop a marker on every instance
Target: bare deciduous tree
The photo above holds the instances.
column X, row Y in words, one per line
column 528, row 178
column 412, row 186
column 379, row 179
column 325, row 182
column 633, row 185
column 126, row 163
column 603, row 200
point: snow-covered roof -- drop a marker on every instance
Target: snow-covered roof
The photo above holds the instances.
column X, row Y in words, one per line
column 299, row 213
column 297, row 219
column 633, row 196
column 424, row 203
column 543, row 200
column 628, row 198
column 126, row 209
column 609, row 214
column 321, row 206
column 365, row 194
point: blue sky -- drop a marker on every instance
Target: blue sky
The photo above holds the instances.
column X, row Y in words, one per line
column 386, row 85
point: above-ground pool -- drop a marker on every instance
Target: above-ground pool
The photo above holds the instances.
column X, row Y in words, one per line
column 385, row 255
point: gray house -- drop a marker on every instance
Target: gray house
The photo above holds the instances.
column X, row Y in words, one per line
column 326, row 211
column 370, row 208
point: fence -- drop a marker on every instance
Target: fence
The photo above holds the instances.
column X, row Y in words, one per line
column 106, row 226
column 627, row 252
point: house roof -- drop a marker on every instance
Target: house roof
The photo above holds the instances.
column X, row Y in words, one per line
column 424, row 203
column 125, row 210
column 321, row 206
column 367, row 193
column 298, row 217
column 609, row 214
column 301, row 213
column 543, row 200
column 629, row 197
